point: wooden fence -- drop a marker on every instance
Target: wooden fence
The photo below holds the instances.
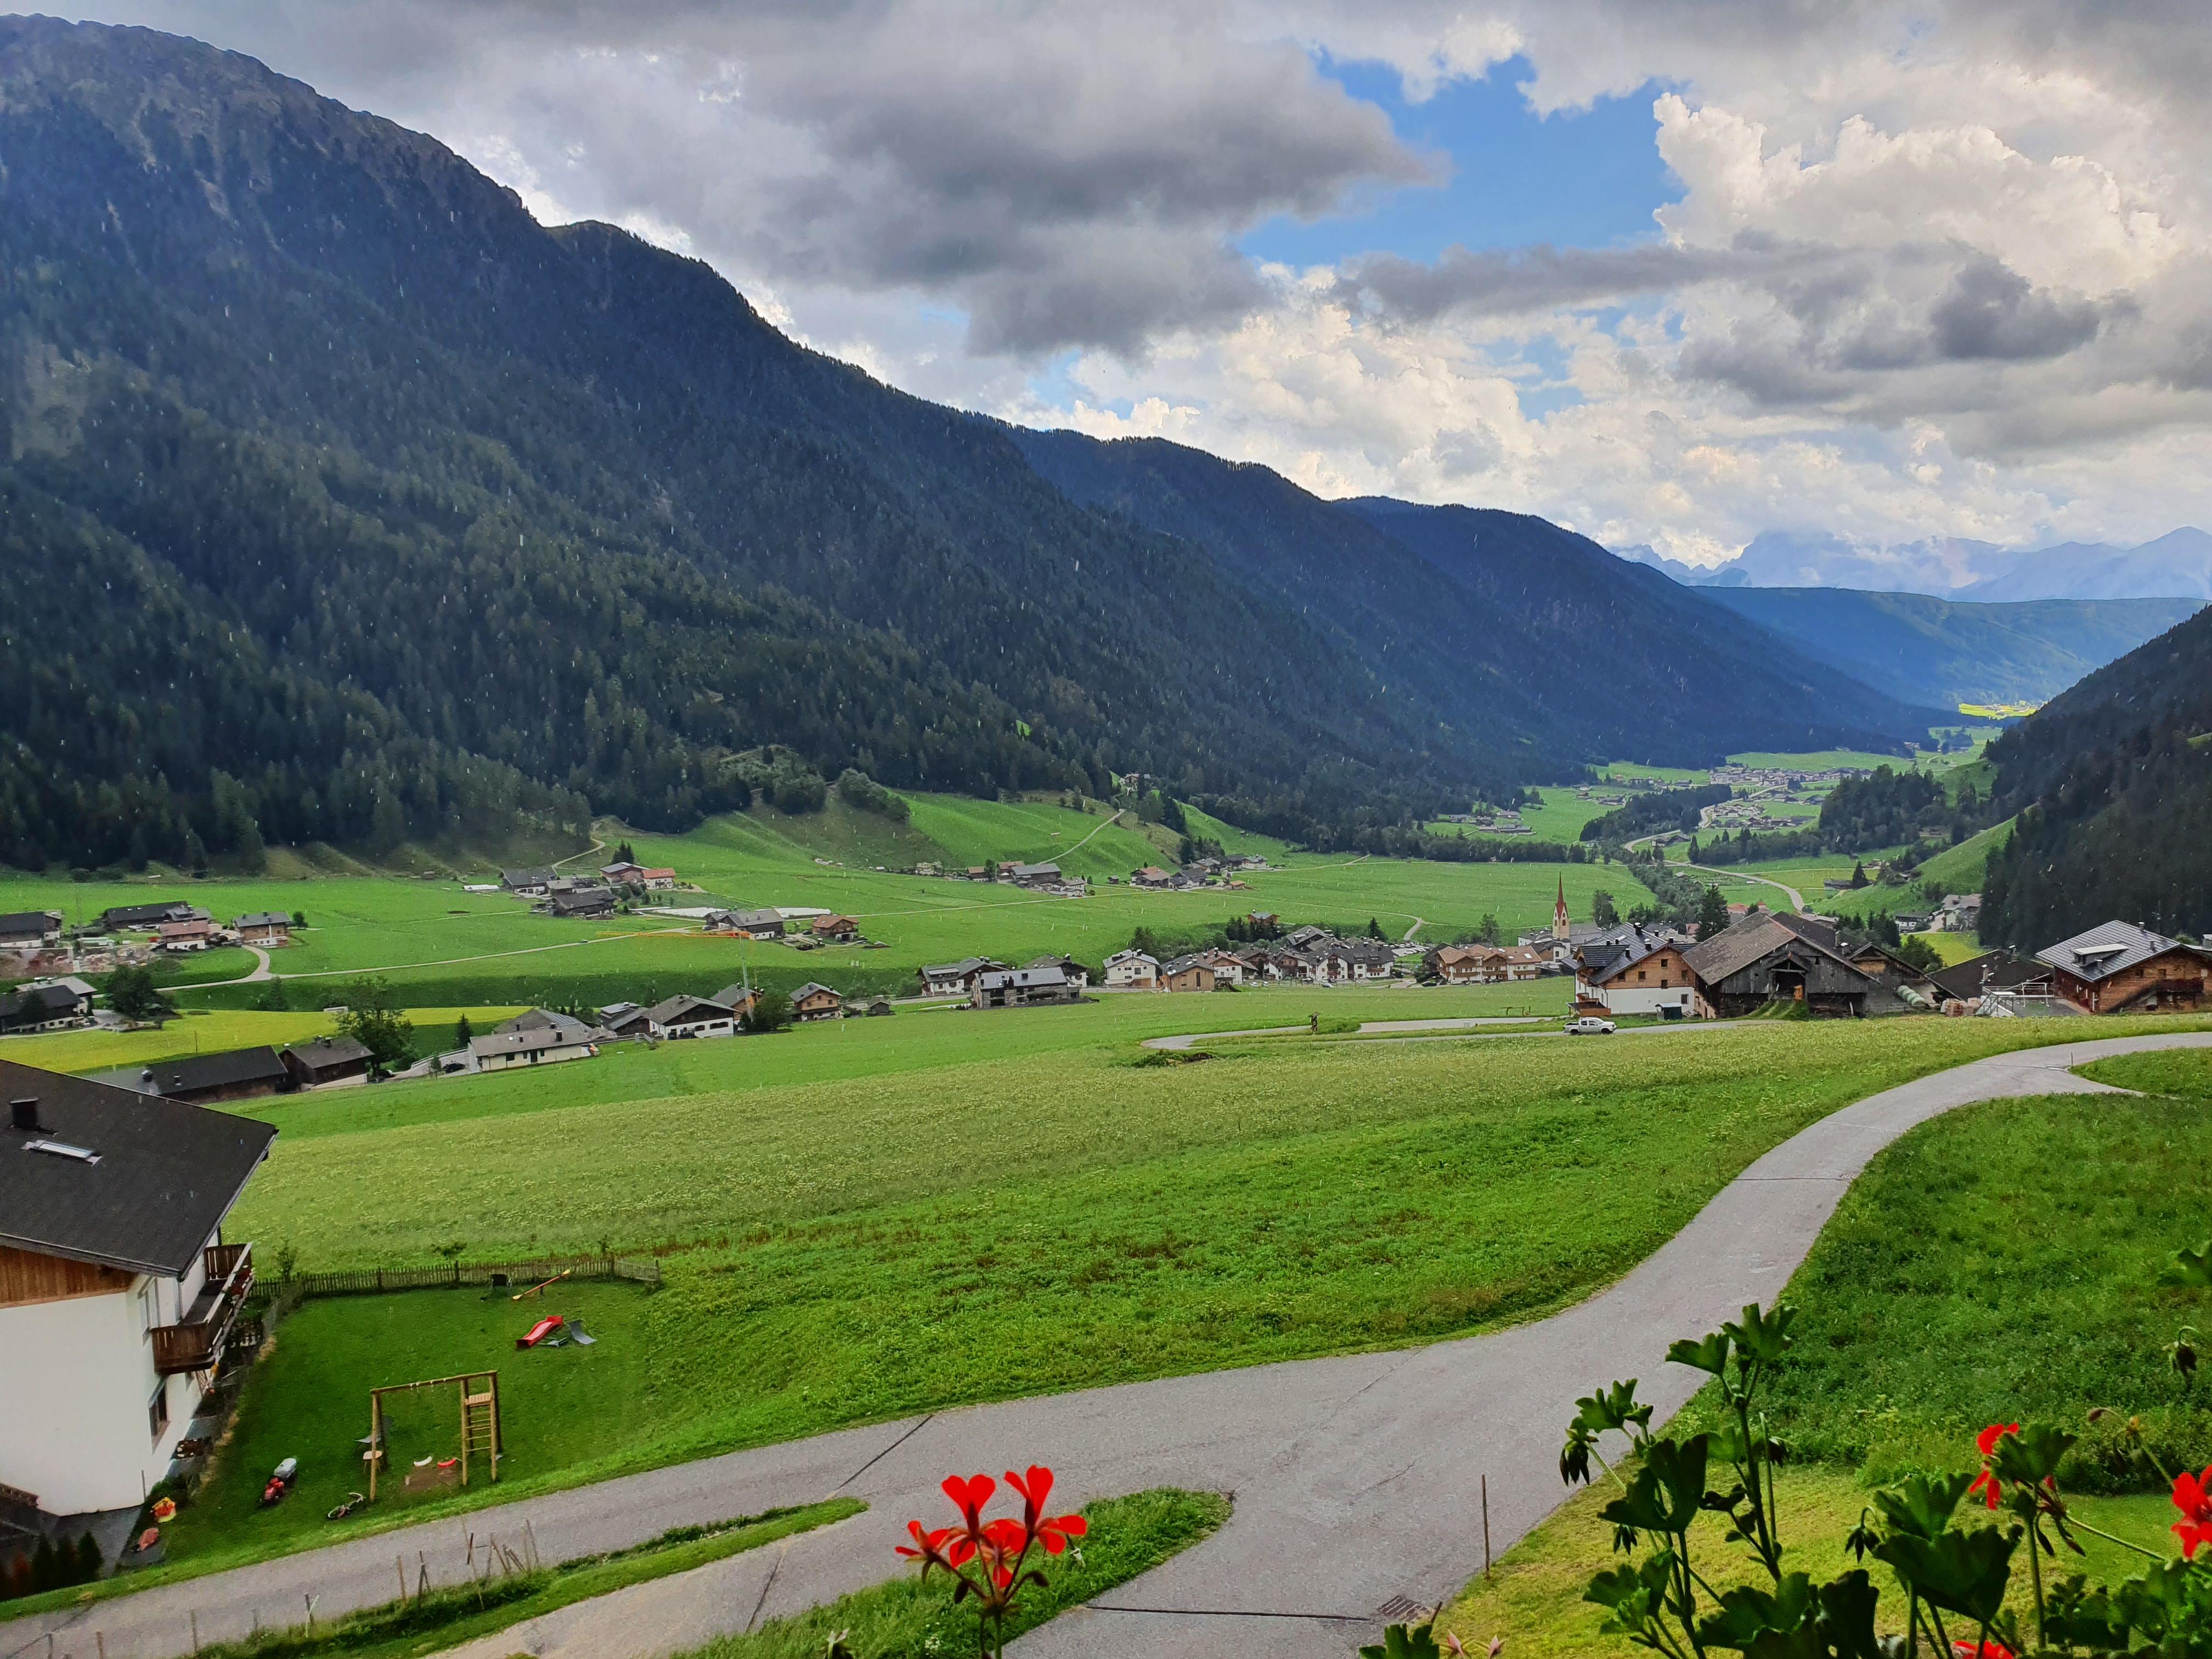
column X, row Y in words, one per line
column 369, row 1281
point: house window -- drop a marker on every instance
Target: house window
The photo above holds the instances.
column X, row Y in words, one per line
column 148, row 1315
column 157, row 1410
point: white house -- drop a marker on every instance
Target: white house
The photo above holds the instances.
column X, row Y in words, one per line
column 691, row 1017
column 502, row 1051
column 1132, row 970
column 118, row 1299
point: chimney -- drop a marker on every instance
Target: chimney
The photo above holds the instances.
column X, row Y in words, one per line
column 23, row 1113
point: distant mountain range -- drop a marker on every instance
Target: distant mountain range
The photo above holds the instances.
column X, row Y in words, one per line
column 1949, row 653
column 2178, row 565
column 341, row 500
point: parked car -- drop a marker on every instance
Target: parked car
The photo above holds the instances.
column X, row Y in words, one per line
column 1589, row 1025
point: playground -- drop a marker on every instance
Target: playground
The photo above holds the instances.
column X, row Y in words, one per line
column 562, row 1403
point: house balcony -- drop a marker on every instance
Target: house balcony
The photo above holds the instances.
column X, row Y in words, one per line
column 196, row 1341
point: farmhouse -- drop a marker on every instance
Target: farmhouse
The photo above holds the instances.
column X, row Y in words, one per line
column 1636, row 972
column 529, row 883
column 954, row 978
column 1078, row 975
column 691, row 1017
column 263, row 928
column 580, row 903
column 30, row 927
column 327, row 1063
column 842, row 929
column 1187, row 973
column 242, row 1074
column 738, row 998
column 502, row 1051
column 118, row 1299
column 748, row 924
column 1760, row 960
column 60, row 1005
column 540, row 1019
column 1152, row 876
column 1034, row 875
column 185, row 936
column 1959, row 913
column 1132, row 970
column 625, row 1019
column 2121, row 967
column 1994, row 973
column 813, row 1001
column 139, row 917
column 1023, row 987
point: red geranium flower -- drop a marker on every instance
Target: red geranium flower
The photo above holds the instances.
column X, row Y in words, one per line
column 929, row 1547
column 1980, row 1650
column 1986, row 1485
column 969, row 1496
column 1053, row 1531
column 2192, row 1496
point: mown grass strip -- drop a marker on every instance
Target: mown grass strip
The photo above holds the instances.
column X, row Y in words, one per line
column 906, row 1619
column 442, row 1618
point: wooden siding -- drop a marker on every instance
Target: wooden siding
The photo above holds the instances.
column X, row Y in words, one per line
column 27, row 1276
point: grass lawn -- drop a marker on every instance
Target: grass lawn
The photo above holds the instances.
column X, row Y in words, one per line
column 907, row 1620
column 309, row 1399
column 442, row 1619
column 1534, row 1598
column 199, row 1031
column 1995, row 1264
column 1952, row 948
column 837, row 1253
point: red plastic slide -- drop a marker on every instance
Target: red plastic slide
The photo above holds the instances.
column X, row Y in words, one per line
column 543, row 1328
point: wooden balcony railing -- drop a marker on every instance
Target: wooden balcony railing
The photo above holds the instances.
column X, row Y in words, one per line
column 196, row 1342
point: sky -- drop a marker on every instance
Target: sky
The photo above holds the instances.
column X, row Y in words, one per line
column 1674, row 273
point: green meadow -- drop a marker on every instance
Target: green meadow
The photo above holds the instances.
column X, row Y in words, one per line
column 441, row 946
column 893, row 1238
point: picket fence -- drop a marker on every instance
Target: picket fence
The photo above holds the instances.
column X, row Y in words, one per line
column 367, row 1281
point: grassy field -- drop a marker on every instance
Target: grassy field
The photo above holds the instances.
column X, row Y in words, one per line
column 1997, row 1264
column 836, row 1252
column 907, row 1620
column 309, row 1399
column 1535, row 1599
column 1952, row 948
column 441, row 946
column 200, row 1032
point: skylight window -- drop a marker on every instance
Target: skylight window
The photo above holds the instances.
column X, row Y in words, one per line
column 63, row 1149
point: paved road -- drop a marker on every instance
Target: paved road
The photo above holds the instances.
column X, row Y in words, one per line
column 1355, row 1478
column 1796, row 898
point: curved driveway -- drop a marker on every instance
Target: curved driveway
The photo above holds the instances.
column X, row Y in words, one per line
column 1355, row 1479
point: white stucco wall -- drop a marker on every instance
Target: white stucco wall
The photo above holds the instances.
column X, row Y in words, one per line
column 1643, row 999
column 74, row 1395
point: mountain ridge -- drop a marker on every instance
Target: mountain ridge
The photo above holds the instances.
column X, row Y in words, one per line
column 563, row 518
column 2177, row 565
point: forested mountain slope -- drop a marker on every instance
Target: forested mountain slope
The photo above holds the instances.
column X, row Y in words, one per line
column 344, row 500
column 550, row 506
column 2113, row 785
column 1505, row 625
column 1946, row 651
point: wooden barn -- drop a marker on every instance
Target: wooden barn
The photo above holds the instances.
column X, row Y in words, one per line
column 1760, row 960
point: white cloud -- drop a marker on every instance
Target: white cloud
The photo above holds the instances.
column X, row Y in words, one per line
column 1934, row 271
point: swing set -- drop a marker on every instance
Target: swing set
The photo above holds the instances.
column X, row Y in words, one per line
column 479, row 1396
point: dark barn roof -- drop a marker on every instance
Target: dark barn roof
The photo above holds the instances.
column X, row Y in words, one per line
column 226, row 1071
column 166, row 1173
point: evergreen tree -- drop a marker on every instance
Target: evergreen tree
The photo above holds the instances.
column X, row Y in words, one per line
column 1713, row 915
column 1603, row 911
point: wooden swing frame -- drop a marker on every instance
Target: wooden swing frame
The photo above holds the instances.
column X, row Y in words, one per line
column 479, row 1391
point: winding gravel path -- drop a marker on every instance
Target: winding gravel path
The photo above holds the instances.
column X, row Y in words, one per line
column 1355, row 1478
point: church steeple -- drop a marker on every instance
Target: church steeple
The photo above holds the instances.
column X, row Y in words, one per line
column 1560, row 927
